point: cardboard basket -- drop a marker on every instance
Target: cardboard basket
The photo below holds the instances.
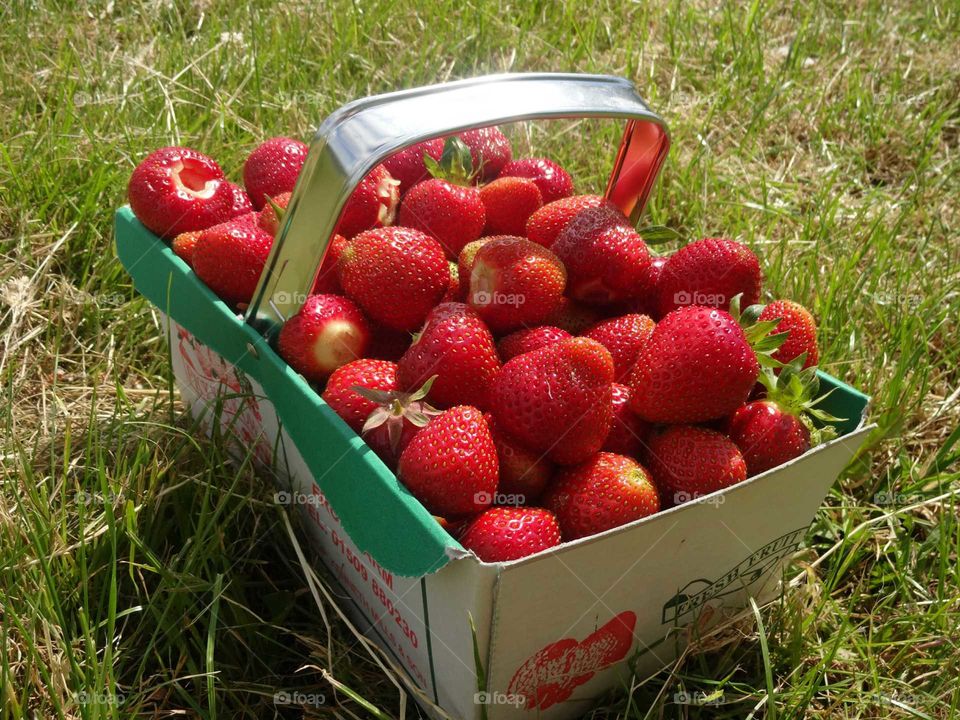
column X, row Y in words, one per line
column 553, row 630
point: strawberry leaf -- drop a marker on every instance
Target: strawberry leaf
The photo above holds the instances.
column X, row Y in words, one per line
column 658, row 234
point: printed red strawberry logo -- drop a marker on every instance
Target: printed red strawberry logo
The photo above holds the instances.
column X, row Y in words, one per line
column 551, row 675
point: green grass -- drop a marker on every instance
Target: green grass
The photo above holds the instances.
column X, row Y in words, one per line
column 143, row 574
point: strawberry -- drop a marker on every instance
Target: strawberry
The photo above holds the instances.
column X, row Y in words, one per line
column 624, row 337
column 372, row 204
column 557, row 400
column 529, row 339
column 395, row 274
column 454, row 293
column 514, row 282
column 272, row 168
column 502, row 534
column 446, row 206
column 342, row 397
column 604, row 492
column 328, row 281
column 708, row 272
column 185, row 243
column 698, row 365
column 797, row 321
column 230, row 257
column 606, row 259
column 780, row 427
column 523, row 473
column 552, row 180
column 451, row 465
column 408, row 167
column 628, row 431
column 457, row 347
column 767, row 434
column 508, row 202
column 546, row 224
column 176, row 190
column 327, row 332
column 268, row 217
column 688, row 461
column 489, row 149
column 572, row 316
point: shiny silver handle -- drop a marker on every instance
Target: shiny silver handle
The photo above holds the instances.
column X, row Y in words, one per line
column 360, row 135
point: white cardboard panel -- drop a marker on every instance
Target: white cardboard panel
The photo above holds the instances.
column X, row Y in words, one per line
column 623, row 592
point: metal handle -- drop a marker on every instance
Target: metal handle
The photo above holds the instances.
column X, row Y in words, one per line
column 360, row 135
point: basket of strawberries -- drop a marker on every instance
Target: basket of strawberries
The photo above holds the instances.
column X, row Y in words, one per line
column 534, row 453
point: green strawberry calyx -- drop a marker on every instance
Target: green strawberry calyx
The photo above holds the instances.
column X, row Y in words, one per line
column 394, row 407
column 455, row 164
column 795, row 389
column 759, row 332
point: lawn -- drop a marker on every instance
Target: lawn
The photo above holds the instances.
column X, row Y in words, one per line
column 141, row 574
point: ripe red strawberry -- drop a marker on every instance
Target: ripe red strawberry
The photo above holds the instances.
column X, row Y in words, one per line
column 176, row 190
column 572, row 316
column 395, row 274
column 624, row 337
column 328, row 280
column 557, row 400
column 447, row 206
column 453, row 214
column 523, row 473
column 327, row 332
column 346, row 402
column 799, row 323
column 709, row 272
column 454, row 293
column 514, row 282
column 407, row 166
column 230, row 257
column 606, row 259
column 489, row 149
column 457, row 347
column 272, row 168
column 268, row 218
column 767, row 434
column 688, row 461
column 697, row 366
column 546, row 224
column 552, row 180
column 509, row 202
column 529, row 339
column 185, row 243
column 372, row 204
column 451, row 465
column 628, row 431
column 502, row 534
column 604, row 492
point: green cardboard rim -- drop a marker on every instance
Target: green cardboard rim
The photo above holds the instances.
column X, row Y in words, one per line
column 378, row 513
